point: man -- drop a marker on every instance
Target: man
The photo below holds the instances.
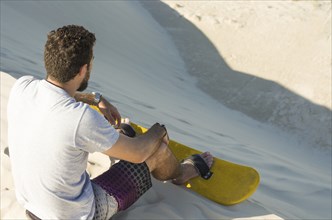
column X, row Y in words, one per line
column 52, row 129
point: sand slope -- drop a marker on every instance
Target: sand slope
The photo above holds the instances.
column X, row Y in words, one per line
column 263, row 51
column 269, row 60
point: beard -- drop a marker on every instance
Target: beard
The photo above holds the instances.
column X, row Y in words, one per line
column 83, row 86
column 84, row 83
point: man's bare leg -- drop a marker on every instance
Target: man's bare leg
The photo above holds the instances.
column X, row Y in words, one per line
column 164, row 166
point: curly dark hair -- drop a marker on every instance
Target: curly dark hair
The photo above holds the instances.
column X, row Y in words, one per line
column 67, row 49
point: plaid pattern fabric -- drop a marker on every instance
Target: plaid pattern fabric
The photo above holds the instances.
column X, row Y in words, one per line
column 126, row 182
column 106, row 205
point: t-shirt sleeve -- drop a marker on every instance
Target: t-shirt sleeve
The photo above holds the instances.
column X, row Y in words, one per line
column 94, row 132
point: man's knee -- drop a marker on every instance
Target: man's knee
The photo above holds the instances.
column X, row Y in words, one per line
column 163, row 152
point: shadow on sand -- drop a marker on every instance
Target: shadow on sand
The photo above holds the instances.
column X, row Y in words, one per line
column 263, row 100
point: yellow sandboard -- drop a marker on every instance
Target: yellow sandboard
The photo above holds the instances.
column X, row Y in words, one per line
column 230, row 183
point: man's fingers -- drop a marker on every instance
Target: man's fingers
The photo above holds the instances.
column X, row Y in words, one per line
column 117, row 117
column 162, row 131
column 166, row 139
column 110, row 112
column 111, row 120
column 108, row 116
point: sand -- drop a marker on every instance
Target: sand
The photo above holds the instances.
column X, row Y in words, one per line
column 265, row 72
column 269, row 60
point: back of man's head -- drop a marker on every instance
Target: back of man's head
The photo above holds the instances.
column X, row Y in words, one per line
column 67, row 49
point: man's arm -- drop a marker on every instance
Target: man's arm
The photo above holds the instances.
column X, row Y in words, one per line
column 87, row 98
column 109, row 111
column 140, row 148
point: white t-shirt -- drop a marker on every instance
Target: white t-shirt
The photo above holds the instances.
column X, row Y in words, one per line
column 50, row 136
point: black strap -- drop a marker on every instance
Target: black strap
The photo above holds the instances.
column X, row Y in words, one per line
column 127, row 130
column 197, row 161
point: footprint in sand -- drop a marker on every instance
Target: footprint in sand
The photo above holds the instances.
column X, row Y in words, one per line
column 6, row 151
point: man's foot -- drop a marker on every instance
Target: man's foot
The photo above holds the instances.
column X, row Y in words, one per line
column 189, row 171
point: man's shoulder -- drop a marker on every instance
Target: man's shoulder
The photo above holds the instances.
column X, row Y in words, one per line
column 25, row 79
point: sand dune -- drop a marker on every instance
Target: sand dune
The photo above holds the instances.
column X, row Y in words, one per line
column 265, row 72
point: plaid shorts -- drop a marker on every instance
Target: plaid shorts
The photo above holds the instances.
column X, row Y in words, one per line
column 119, row 187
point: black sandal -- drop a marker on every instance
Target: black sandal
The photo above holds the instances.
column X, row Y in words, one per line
column 127, row 130
column 199, row 163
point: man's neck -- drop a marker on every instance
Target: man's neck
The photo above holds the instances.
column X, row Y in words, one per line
column 65, row 86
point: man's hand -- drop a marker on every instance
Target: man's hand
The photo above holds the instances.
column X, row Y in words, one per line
column 110, row 112
column 161, row 131
column 166, row 137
